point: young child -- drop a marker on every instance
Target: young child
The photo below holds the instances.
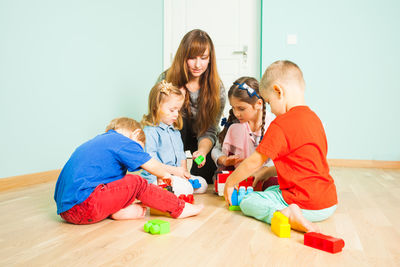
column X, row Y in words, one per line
column 297, row 144
column 163, row 139
column 93, row 184
column 247, row 122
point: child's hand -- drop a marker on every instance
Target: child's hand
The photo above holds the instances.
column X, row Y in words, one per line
column 197, row 154
column 182, row 172
column 232, row 160
column 228, row 194
column 187, row 175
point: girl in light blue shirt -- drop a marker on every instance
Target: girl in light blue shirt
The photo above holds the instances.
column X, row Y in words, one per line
column 163, row 139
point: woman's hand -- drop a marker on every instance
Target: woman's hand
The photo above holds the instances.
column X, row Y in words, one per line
column 198, row 153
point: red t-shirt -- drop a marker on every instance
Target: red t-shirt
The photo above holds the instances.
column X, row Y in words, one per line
column 297, row 144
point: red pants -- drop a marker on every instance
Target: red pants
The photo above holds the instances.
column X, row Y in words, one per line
column 109, row 198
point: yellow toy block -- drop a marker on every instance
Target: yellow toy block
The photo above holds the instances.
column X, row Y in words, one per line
column 280, row 225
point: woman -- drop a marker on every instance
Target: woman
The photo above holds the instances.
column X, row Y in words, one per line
column 194, row 70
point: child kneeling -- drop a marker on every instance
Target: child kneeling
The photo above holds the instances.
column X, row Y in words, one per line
column 93, row 185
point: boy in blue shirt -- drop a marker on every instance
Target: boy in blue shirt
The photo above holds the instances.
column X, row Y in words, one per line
column 93, row 184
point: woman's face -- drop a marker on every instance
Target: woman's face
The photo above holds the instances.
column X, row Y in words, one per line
column 198, row 65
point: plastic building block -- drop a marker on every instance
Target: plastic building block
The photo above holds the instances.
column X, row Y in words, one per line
column 234, row 208
column 247, row 182
column 199, row 160
column 280, row 225
column 159, row 213
column 323, row 242
column 195, row 183
column 187, row 198
column 220, row 182
column 156, row 227
column 234, row 198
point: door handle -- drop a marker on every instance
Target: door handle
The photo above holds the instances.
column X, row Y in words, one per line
column 242, row 52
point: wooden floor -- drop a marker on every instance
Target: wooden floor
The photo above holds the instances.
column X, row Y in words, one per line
column 31, row 234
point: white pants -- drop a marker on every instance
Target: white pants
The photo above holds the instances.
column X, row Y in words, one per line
column 181, row 186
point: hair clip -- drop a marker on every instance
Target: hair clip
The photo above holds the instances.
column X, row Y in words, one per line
column 225, row 123
column 165, row 87
column 250, row 91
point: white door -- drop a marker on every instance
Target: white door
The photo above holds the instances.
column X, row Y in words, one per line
column 233, row 25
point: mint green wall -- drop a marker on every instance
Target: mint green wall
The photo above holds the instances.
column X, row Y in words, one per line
column 66, row 69
column 349, row 52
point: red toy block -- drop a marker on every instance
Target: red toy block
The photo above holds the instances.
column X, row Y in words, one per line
column 221, row 180
column 247, row 182
column 187, row 198
column 323, row 242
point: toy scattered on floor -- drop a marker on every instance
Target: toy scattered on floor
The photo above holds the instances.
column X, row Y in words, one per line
column 166, row 184
column 220, row 181
column 280, row 225
column 323, row 242
column 156, row 227
column 156, row 212
column 187, row 198
column 237, row 196
column 199, row 160
column 195, row 183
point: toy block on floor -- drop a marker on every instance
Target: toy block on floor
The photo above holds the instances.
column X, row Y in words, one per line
column 280, row 225
column 156, row 227
column 159, row 213
column 234, row 208
column 187, row 198
column 323, row 242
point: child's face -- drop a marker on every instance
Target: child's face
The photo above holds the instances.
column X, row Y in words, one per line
column 198, row 65
column 169, row 108
column 275, row 100
column 243, row 111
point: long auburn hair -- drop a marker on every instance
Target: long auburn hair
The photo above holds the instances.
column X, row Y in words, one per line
column 243, row 96
column 159, row 93
column 194, row 44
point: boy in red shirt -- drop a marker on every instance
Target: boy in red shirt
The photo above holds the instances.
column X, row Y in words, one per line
column 297, row 144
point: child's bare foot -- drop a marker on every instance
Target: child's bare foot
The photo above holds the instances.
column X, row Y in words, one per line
column 297, row 220
column 190, row 210
column 134, row 211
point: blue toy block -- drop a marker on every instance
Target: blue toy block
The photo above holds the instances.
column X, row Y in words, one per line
column 234, row 198
column 241, row 193
column 195, row 183
column 249, row 190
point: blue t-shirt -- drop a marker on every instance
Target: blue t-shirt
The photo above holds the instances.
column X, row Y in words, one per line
column 101, row 160
column 163, row 143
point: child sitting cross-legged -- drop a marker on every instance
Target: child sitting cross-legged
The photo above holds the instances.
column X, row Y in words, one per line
column 297, row 144
column 93, row 185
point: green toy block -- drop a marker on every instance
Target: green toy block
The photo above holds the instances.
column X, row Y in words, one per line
column 234, row 208
column 156, row 227
column 199, row 160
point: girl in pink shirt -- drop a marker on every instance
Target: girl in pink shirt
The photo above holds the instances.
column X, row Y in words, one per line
column 243, row 130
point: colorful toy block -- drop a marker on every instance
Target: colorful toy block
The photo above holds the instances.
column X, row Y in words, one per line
column 199, row 160
column 234, row 208
column 156, row 227
column 159, row 213
column 323, row 242
column 187, row 198
column 220, row 181
column 280, row 225
column 195, row 183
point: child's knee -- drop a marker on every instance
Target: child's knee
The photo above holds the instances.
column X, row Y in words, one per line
column 203, row 188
